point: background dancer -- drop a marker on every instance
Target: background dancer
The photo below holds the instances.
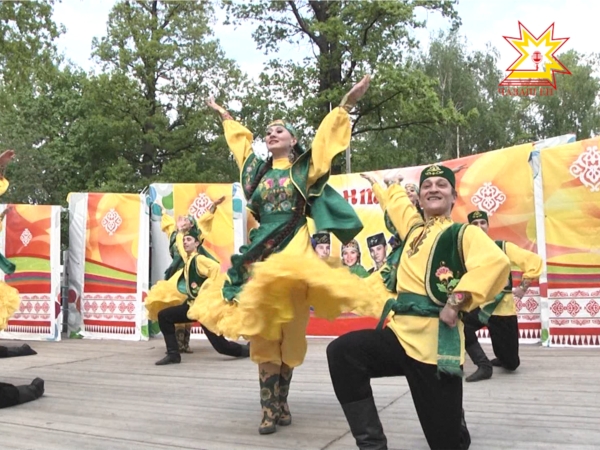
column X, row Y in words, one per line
column 175, row 233
column 197, row 270
column 499, row 315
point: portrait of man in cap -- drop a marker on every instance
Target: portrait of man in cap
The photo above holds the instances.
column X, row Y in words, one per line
column 322, row 244
column 377, row 250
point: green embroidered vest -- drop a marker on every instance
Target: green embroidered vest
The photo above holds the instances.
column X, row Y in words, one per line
column 177, row 261
column 190, row 281
column 445, row 267
column 324, row 204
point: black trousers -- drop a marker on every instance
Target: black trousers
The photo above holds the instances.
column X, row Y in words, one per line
column 167, row 319
column 504, row 333
column 9, row 395
column 356, row 357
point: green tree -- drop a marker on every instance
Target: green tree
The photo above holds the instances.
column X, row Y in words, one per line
column 160, row 61
column 467, row 82
column 573, row 107
column 347, row 40
column 27, row 34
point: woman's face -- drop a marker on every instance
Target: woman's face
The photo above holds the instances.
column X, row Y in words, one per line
column 350, row 256
column 412, row 194
column 279, row 140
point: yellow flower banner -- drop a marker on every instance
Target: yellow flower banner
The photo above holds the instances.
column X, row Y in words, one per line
column 109, row 239
column 31, row 238
column 570, row 179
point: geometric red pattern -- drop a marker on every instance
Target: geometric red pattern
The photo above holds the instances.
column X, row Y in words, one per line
column 109, row 307
column 519, row 304
column 592, row 307
column 531, row 304
column 557, row 308
column 573, row 308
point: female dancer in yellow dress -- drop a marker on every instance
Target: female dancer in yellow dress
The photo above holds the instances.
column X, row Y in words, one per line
column 267, row 294
column 165, row 293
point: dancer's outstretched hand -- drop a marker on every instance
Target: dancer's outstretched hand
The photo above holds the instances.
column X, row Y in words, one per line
column 5, row 212
column 395, row 177
column 358, row 90
column 218, row 201
column 459, row 168
column 210, row 101
column 370, row 178
column 6, row 157
column 182, row 223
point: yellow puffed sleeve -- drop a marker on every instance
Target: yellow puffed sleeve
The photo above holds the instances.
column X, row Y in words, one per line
column 530, row 263
column 380, row 194
column 207, row 267
column 205, row 222
column 402, row 212
column 167, row 224
column 3, row 185
column 333, row 137
column 239, row 139
column 487, row 267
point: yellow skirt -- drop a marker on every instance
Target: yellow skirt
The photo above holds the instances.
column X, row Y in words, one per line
column 266, row 300
column 9, row 303
column 163, row 295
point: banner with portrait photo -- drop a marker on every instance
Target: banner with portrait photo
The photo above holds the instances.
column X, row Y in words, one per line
column 484, row 181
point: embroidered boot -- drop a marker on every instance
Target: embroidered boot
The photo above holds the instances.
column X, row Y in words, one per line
column 180, row 336
column 365, row 425
column 285, row 378
column 269, row 397
column 187, row 333
column 484, row 366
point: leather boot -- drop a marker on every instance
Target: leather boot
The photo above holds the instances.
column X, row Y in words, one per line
column 496, row 362
column 465, row 436
column 484, row 366
column 285, row 378
column 31, row 391
column 269, row 397
column 365, row 425
column 23, row 350
column 173, row 356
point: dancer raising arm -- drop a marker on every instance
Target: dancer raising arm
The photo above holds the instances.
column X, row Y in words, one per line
column 267, row 294
column 444, row 269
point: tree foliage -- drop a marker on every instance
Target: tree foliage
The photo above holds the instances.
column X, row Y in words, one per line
column 140, row 118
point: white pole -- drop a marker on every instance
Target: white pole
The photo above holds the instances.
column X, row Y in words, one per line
column 457, row 142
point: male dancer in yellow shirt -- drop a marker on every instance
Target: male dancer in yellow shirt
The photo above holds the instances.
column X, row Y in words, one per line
column 445, row 269
column 500, row 315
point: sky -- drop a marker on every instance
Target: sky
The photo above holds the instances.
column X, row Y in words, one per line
column 482, row 22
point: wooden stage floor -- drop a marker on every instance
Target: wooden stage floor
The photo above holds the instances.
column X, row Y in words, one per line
column 109, row 395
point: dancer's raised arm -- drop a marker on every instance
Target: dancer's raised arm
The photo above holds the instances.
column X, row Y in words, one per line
column 5, row 158
column 239, row 138
column 334, row 133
